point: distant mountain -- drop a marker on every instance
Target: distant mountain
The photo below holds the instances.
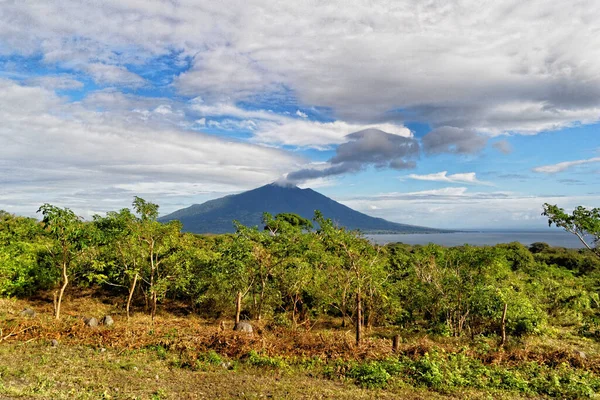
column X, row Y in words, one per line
column 216, row 216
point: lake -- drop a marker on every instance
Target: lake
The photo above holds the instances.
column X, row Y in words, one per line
column 483, row 238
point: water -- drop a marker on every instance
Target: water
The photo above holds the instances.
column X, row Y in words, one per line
column 489, row 238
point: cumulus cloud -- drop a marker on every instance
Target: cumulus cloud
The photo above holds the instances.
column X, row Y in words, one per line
column 369, row 147
column 113, row 74
column 468, row 177
column 471, row 71
column 447, row 139
column 55, row 82
column 530, row 72
column 279, row 130
column 67, row 154
column 223, row 73
column 563, row 166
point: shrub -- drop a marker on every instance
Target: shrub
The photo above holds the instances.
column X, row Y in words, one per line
column 261, row 360
column 370, row 375
column 212, row 358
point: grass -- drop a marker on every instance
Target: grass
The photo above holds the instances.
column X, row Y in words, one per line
column 36, row 370
column 181, row 357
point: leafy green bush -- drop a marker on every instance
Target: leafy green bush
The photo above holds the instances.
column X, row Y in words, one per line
column 261, row 360
column 369, row 375
column 447, row 372
column 212, row 358
column 427, row 371
column 523, row 317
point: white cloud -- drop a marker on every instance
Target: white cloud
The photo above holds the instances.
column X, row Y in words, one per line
column 368, row 62
column 562, row 166
column 276, row 129
column 457, row 208
column 56, row 82
column 306, row 133
column 467, row 177
column 112, row 74
column 224, row 73
column 70, row 155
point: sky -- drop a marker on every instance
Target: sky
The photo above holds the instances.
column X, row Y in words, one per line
column 449, row 114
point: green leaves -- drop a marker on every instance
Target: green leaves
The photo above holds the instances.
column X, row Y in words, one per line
column 581, row 222
column 22, row 250
column 146, row 210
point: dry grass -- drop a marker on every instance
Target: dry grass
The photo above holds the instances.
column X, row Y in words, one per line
column 35, row 370
column 116, row 362
column 193, row 334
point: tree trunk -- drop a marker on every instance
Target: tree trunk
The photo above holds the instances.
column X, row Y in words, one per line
column 295, row 311
column 238, row 307
column 131, row 290
column 154, row 300
column 503, row 325
column 65, row 278
column 261, row 299
column 358, row 318
column 343, row 308
column 152, row 271
column 395, row 343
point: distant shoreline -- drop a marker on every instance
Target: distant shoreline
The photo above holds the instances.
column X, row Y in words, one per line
column 556, row 238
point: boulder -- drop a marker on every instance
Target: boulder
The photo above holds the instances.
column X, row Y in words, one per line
column 54, row 343
column 243, row 326
column 27, row 312
column 107, row 320
column 91, row 322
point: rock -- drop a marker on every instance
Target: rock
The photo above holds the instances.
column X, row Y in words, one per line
column 243, row 326
column 107, row 320
column 54, row 342
column 580, row 354
column 91, row 322
column 27, row 312
column 226, row 365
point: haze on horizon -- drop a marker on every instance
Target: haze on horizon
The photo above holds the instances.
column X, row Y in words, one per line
column 446, row 114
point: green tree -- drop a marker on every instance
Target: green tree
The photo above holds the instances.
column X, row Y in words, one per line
column 464, row 289
column 121, row 246
column 357, row 260
column 293, row 252
column 158, row 242
column 70, row 241
column 582, row 222
column 234, row 268
column 22, row 249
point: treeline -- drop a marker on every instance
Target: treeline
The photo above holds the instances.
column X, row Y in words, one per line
column 294, row 274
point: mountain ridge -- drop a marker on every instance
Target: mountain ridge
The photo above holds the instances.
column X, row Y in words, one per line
column 217, row 215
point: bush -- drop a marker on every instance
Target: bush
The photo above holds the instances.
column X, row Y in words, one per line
column 211, row 358
column 261, row 360
column 446, row 372
column 370, row 375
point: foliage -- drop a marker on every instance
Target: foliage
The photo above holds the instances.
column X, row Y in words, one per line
column 262, row 360
column 294, row 276
column 582, row 222
column 70, row 239
column 24, row 263
column 447, row 372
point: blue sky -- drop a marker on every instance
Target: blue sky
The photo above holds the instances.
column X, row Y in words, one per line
column 466, row 114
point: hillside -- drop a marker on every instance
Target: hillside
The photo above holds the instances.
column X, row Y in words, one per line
column 216, row 216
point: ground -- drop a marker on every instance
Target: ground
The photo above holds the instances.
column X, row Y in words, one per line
column 186, row 357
